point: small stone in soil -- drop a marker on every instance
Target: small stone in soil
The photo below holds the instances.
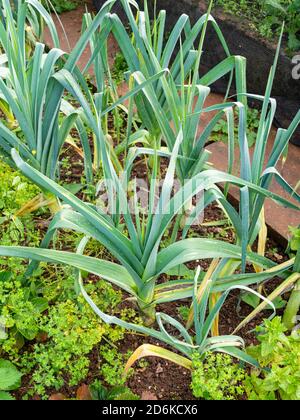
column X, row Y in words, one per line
column 159, row 369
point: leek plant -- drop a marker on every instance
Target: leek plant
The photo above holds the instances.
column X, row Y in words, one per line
column 184, row 345
column 175, row 100
column 292, row 282
column 24, row 90
column 260, row 170
column 39, row 121
column 136, row 238
column 93, row 110
column 35, row 21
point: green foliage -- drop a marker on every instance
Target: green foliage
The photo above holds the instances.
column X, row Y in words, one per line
column 71, row 331
column 126, row 250
column 289, row 11
column 295, row 238
column 217, row 377
column 137, row 247
column 19, row 308
column 15, row 191
column 220, row 131
column 10, row 379
column 61, row 6
column 22, row 307
column 254, row 301
column 267, row 16
column 279, row 355
column 184, row 312
column 100, row 392
column 184, row 343
column 66, row 333
column 20, row 312
column 31, row 101
column 119, row 68
column 113, row 367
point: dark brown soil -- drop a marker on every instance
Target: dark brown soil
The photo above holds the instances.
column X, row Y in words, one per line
column 160, row 378
column 164, row 380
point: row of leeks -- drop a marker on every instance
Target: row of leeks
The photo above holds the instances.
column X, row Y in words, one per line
column 169, row 97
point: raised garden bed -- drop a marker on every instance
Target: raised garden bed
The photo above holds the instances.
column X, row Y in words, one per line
column 156, row 379
column 105, row 296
